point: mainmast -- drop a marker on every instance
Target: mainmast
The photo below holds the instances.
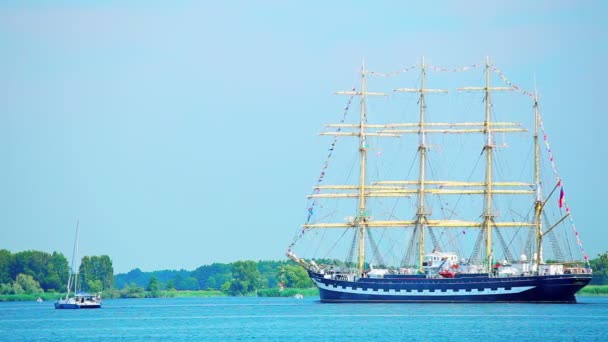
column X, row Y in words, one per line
column 488, row 129
column 421, row 213
column 489, row 149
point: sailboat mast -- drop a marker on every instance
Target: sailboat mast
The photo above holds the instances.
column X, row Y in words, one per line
column 488, row 148
column 362, row 219
column 69, row 286
column 421, row 214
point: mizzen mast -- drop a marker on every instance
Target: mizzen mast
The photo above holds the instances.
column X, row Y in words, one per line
column 538, row 204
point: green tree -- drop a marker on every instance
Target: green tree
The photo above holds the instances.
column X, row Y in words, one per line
column 294, row 276
column 132, row 291
column 268, row 270
column 6, row 259
column 58, row 273
column 185, row 282
column 94, row 286
column 600, row 269
column 16, row 288
column 6, row 288
column 49, row 270
column 98, row 268
column 28, row 283
column 153, row 287
column 212, row 276
column 245, row 278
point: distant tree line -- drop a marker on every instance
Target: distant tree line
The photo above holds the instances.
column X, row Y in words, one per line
column 31, row 272
column 235, row 279
column 600, row 269
column 38, row 272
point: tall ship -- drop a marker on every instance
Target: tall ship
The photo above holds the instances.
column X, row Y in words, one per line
column 454, row 199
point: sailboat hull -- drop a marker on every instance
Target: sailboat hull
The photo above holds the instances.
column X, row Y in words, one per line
column 478, row 289
column 80, row 301
column 76, row 306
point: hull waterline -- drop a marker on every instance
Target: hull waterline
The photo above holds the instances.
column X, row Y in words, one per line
column 530, row 289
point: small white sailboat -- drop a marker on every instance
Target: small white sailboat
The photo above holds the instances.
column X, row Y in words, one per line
column 79, row 300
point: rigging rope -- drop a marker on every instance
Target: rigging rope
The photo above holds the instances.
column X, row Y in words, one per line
column 510, row 84
column 562, row 198
column 408, row 256
column 376, row 256
column 506, row 251
column 316, row 190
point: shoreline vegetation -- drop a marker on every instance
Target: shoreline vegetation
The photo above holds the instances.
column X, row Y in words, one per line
column 589, row 290
column 275, row 292
column 32, row 275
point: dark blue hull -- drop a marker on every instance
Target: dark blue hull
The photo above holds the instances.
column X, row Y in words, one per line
column 478, row 289
column 76, row 306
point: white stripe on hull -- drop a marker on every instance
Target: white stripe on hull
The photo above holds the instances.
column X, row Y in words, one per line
column 425, row 292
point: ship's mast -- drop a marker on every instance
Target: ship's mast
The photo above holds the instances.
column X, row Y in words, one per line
column 488, row 128
column 363, row 191
column 538, row 205
column 362, row 216
column 421, row 214
column 540, row 202
column 398, row 188
column 489, row 149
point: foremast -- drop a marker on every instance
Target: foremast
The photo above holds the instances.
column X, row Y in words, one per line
column 361, row 220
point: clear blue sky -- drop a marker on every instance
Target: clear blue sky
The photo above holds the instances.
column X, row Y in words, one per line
column 182, row 133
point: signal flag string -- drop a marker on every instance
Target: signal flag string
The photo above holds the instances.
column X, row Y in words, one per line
column 460, row 69
column 562, row 196
column 393, row 73
column 316, row 190
column 510, row 84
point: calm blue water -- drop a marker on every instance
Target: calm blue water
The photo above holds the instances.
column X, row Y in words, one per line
column 290, row 319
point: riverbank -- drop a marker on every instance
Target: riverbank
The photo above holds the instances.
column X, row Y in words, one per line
column 589, row 290
column 594, row 290
column 53, row 296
